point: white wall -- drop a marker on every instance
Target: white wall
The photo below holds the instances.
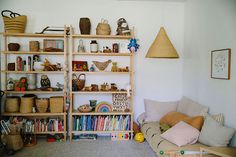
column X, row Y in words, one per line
column 159, row 79
column 210, row 25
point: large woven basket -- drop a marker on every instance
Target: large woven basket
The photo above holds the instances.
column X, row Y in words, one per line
column 56, row 104
column 42, row 105
column 15, row 23
column 26, row 104
column 14, row 142
column 12, row 104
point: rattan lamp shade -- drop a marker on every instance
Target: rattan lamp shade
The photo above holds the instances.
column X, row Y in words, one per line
column 162, row 47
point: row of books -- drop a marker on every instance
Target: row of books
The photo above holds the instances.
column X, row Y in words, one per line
column 43, row 125
column 101, row 123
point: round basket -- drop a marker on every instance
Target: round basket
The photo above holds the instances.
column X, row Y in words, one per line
column 26, row 104
column 85, row 108
column 12, row 104
column 42, row 105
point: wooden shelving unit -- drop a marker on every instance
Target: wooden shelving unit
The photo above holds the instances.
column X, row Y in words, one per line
column 73, row 94
column 6, row 54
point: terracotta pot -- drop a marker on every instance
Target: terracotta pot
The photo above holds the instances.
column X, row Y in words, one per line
column 84, row 25
column 13, row 47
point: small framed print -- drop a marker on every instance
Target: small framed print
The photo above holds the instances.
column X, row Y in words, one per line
column 79, row 65
column 53, row 45
column 220, row 64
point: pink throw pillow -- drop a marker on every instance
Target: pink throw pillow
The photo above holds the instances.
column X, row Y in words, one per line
column 181, row 134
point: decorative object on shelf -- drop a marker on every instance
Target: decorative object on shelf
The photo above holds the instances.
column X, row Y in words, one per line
column 122, row 27
column 54, row 29
column 102, row 65
column 220, row 64
column 11, row 66
column 92, row 68
column 80, row 65
column 120, row 102
column 53, row 45
column 29, row 64
column 126, row 69
column 104, row 87
column 81, row 47
column 85, row 108
column 13, row 47
column 10, row 84
column 29, row 140
column 45, row 82
column 12, row 104
column 42, row 105
column 27, row 103
column 84, row 25
column 115, row 48
column 114, row 67
column 133, row 45
column 119, row 136
column 113, row 87
column 162, row 47
column 139, row 137
column 103, row 107
column 19, row 64
column 94, row 87
column 103, row 28
column 38, row 66
column 22, row 84
column 51, row 67
column 34, row 46
column 56, row 104
column 59, row 86
column 36, row 59
column 106, row 49
column 93, row 46
column 14, row 22
column 78, row 83
column 87, row 88
column 93, row 104
column 31, row 81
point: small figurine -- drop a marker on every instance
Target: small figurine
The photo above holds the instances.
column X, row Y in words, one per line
column 133, row 46
column 45, row 82
column 10, row 84
column 113, row 87
column 122, row 27
column 106, row 50
column 92, row 68
column 114, row 67
column 21, row 85
column 59, row 86
column 81, row 47
column 59, row 67
column 104, row 87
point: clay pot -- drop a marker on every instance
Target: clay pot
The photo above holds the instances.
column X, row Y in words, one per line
column 13, row 47
column 84, row 25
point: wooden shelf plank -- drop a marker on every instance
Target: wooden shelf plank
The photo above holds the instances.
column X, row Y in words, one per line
column 33, row 35
column 34, row 92
column 33, row 72
column 102, row 36
column 32, row 53
column 100, row 132
column 99, row 72
column 102, row 113
column 101, row 54
column 47, row 132
column 99, row 92
column 33, row 114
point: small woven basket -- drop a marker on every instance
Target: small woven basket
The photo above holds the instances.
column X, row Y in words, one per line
column 78, row 82
column 42, row 105
column 15, row 23
column 56, row 104
column 103, row 28
column 12, row 104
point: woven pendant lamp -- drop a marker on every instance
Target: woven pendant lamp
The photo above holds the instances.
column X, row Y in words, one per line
column 162, row 47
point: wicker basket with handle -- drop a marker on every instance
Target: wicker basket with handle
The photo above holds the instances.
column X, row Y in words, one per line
column 56, row 104
column 42, row 105
column 77, row 82
column 103, row 28
column 14, row 23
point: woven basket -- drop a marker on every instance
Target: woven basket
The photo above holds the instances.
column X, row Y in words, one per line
column 26, row 104
column 12, row 104
column 56, row 104
column 42, row 105
column 78, row 82
column 15, row 23
column 14, row 142
column 103, row 28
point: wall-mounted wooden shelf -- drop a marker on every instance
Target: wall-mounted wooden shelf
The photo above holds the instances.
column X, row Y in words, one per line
column 33, row 114
column 101, row 54
column 32, row 53
column 33, row 72
column 77, row 113
column 34, row 92
column 101, row 36
column 32, row 35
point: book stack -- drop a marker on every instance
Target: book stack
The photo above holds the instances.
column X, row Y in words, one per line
column 43, row 125
column 101, row 123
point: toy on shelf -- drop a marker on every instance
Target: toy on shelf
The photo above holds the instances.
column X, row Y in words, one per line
column 59, row 86
column 102, row 65
column 45, row 82
column 122, row 27
column 92, row 68
column 93, row 104
column 106, row 49
column 85, row 108
column 114, row 67
column 51, row 67
column 113, row 87
column 94, row 87
column 21, row 85
column 115, row 48
column 104, row 87
column 133, row 45
column 10, row 84
column 103, row 107
column 80, row 65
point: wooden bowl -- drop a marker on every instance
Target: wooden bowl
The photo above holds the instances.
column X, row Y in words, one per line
column 85, row 108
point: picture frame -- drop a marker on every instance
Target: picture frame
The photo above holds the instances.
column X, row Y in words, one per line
column 80, row 66
column 220, row 64
column 53, row 45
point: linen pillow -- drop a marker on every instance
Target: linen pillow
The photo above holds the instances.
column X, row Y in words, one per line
column 181, row 134
column 217, row 117
column 154, row 110
column 214, row 134
column 172, row 118
column 191, row 108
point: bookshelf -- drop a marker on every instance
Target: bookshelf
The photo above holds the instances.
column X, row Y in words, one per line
column 7, row 56
column 75, row 114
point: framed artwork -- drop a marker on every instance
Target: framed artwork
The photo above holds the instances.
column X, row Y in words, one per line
column 79, row 65
column 120, row 102
column 53, row 45
column 220, row 64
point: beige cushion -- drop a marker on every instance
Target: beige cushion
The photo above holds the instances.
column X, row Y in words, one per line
column 191, row 108
column 214, row 134
column 217, row 117
column 155, row 110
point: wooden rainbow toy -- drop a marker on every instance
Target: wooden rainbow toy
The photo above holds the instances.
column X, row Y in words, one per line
column 103, row 107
